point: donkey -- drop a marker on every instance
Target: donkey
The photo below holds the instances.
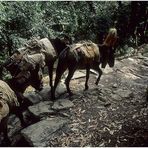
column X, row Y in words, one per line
column 9, row 103
column 85, row 55
column 14, row 89
column 50, row 48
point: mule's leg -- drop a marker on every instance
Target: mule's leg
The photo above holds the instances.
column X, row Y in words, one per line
column 19, row 114
column 36, row 78
column 50, row 71
column 61, row 67
column 97, row 68
column 87, row 77
column 5, row 130
column 71, row 70
column 18, row 110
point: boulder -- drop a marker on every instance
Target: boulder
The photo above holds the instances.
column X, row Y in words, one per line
column 33, row 97
column 41, row 109
column 62, row 104
column 45, row 93
column 38, row 135
column 61, row 88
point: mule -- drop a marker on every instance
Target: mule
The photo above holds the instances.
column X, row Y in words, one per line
column 85, row 55
column 50, row 48
column 9, row 103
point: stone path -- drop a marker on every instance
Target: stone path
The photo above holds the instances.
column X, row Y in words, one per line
column 114, row 113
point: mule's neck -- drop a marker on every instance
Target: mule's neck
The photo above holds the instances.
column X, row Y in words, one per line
column 58, row 45
column 16, row 86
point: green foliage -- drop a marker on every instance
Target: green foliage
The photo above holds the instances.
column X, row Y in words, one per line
column 21, row 20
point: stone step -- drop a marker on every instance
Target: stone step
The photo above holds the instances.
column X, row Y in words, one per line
column 38, row 135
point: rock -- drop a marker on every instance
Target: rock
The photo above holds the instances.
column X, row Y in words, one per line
column 124, row 93
column 107, row 70
column 61, row 88
column 106, row 90
column 130, row 50
column 45, row 93
column 41, row 109
column 62, row 104
column 145, row 54
column 33, row 97
column 125, row 47
column 107, row 104
column 39, row 134
column 116, row 97
column 145, row 63
column 115, row 85
column 140, row 56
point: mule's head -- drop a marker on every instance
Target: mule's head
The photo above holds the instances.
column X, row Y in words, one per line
column 24, row 79
column 20, row 82
column 30, row 74
column 12, row 63
column 66, row 40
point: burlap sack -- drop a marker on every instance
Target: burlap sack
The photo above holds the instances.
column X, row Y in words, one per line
column 7, row 94
column 89, row 50
column 30, row 61
column 47, row 48
column 4, row 109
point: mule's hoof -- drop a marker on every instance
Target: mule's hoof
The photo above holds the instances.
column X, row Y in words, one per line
column 53, row 99
column 97, row 83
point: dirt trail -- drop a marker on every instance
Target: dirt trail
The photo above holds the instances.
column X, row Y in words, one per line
column 114, row 113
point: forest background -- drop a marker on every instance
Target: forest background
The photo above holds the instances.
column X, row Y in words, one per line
column 81, row 20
